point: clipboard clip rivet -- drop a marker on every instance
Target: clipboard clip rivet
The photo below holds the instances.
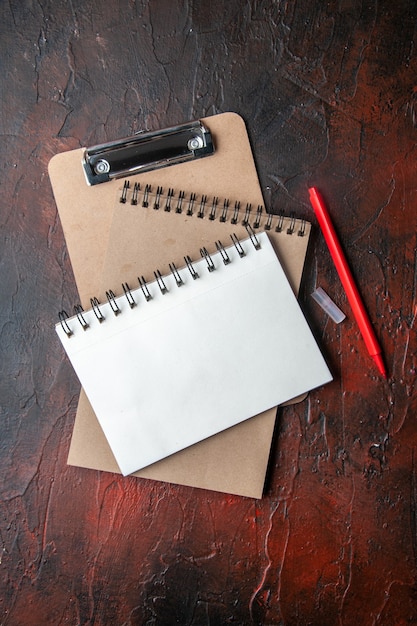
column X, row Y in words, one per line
column 195, row 143
column 102, row 167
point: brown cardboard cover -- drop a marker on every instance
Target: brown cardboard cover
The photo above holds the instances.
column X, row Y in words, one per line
column 109, row 242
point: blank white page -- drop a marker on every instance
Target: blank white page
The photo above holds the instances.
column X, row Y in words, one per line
column 195, row 360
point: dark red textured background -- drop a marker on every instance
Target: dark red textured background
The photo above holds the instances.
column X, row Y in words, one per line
column 329, row 94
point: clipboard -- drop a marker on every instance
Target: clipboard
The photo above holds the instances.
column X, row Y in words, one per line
column 234, row 461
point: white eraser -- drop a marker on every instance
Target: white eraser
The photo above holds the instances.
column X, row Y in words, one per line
column 327, row 304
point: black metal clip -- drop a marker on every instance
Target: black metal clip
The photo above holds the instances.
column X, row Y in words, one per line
column 147, row 151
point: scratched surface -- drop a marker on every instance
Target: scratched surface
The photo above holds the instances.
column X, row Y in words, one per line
column 329, row 94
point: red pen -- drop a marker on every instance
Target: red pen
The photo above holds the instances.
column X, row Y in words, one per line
column 347, row 280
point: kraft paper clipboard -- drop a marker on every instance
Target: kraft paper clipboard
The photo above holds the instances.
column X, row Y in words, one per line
column 234, row 461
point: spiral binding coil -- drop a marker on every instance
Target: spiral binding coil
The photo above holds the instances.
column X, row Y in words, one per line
column 96, row 306
column 212, row 208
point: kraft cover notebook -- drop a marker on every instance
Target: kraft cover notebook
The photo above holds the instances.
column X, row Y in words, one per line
column 194, row 352
column 234, row 461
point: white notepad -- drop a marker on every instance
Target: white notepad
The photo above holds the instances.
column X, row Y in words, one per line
column 194, row 359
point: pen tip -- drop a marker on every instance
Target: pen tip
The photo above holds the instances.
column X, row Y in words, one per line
column 380, row 365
